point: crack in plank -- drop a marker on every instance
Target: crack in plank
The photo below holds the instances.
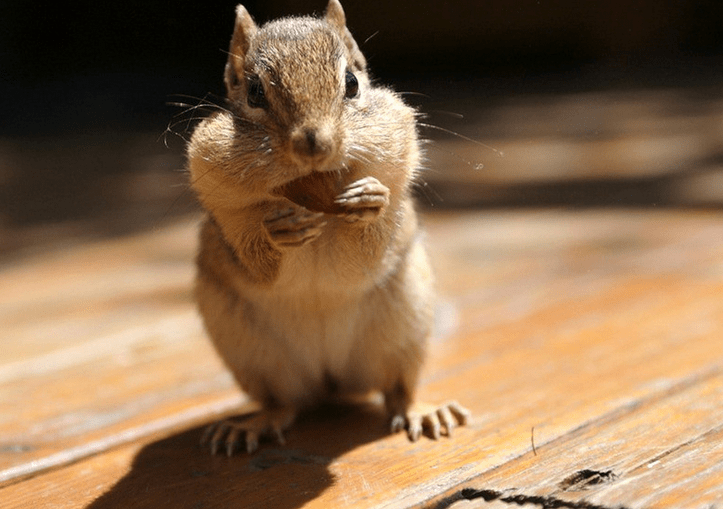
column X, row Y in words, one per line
column 586, row 478
column 679, row 386
column 546, row 502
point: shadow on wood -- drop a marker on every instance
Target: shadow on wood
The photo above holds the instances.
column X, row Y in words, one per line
column 177, row 471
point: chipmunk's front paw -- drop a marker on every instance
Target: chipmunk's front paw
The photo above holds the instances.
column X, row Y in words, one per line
column 431, row 419
column 294, row 227
column 229, row 433
column 363, row 200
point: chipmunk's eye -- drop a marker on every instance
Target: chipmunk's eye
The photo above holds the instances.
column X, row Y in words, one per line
column 352, row 85
column 256, row 97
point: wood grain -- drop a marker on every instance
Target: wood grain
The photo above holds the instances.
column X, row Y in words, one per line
column 599, row 329
column 77, row 324
column 611, row 147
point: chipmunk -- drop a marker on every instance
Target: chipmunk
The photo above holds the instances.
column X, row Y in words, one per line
column 312, row 280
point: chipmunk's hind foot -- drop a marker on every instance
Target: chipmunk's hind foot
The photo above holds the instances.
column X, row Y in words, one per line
column 433, row 420
column 229, row 433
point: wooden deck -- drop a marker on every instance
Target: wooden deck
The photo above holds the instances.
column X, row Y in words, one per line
column 588, row 344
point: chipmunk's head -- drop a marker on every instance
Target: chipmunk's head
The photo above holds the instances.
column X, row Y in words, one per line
column 295, row 80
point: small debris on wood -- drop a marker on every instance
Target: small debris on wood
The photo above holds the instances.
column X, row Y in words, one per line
column 585, row 479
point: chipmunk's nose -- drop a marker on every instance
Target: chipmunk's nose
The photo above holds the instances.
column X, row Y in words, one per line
column 311, row 144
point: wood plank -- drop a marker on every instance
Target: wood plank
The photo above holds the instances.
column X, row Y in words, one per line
column 565, row 322
column 56, row 417
column 351, row 470
column 661, row 452
column 536, row 149
column 74, row 295
column 94, row 334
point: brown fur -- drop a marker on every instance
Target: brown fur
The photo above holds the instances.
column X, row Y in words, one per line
column 311, row 271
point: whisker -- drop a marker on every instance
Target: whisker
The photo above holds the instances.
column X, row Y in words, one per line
column 184, row 192
column 370, row 37
column 418, row 94
column 474, row 166
column 425, row 189
column 463, row 137
column 202, row 102
column 192, row 182
column 450, row 113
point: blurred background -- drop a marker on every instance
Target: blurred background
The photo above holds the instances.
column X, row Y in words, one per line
column 553, row 103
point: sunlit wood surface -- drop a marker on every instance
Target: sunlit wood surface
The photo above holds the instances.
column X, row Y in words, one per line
column 588, row 344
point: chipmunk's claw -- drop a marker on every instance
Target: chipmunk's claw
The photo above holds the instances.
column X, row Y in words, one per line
column 294, row 227
column 363, row 199
column 228, row 434
column 430, row 419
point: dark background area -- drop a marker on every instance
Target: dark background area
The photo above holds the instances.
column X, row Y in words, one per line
column 86, row 87
column 87, row 65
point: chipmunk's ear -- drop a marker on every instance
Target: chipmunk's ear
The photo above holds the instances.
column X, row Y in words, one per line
column 334, row 15
column 244, row 30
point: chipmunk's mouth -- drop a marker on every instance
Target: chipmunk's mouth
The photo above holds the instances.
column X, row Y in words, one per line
column 316, row 191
